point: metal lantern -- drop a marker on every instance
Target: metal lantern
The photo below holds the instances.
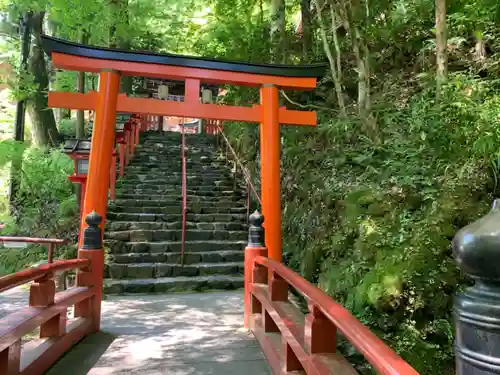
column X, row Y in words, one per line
column 82, row 166
column 163, row 91
column 206, row 96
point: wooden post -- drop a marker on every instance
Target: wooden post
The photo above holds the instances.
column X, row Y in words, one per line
column 270, row 169
column 112, row 184
column 92, row 249
column 254, row 249
column 122, row 159
column 138, row 128
column 127, row 146
column 132, row 137
column 10, row 359
column 83, row 191
column 101, row 151
column 477, row 309
column 320, row 335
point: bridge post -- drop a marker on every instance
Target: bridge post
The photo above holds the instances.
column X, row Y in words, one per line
column 270, row 144
column 476, row 248
column 103, row 135
column 254, row 249
column 91, row 249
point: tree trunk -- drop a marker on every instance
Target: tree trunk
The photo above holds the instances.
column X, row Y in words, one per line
column 119, row 9
column 333, row 65
column 480, row 47
column 361, row 54
column 44, row 127
column 17, row 162
column 278, row 30
column 80, row 87
column 336, row 44
column 305, row 10
column 441, row 44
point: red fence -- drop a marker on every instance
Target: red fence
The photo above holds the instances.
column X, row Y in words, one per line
column 294, row 342
column 48, row 310
column 51, row 242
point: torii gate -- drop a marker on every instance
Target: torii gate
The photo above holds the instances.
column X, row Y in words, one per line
column 111, row 64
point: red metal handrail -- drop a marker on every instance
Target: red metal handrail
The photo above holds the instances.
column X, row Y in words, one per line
column 184, row 191
column 375, row 351
column 52, row 242
column 246, row 174
column 25, row 276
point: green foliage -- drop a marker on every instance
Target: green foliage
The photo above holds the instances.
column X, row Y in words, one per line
column 67, row 128
column 371, row 220
column 45, row 203
column 45, row 199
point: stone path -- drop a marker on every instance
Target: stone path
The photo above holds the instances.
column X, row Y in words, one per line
column 13, row 300
column 176, row 334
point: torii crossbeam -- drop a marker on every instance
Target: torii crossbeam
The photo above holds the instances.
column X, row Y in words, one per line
column 111, row 64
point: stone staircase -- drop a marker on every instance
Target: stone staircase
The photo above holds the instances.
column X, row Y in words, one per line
column 143, row 230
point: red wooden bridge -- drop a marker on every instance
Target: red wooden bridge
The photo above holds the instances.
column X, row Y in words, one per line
column 292, row 340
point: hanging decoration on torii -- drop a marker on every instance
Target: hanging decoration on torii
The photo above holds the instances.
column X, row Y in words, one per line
column 111, row 64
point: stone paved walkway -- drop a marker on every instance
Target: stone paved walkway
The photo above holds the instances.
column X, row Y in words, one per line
column 13, row 300
column 176, row 334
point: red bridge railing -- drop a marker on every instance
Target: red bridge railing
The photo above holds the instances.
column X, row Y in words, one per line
column 51, row 242
column 294, row 342
column 48, row 310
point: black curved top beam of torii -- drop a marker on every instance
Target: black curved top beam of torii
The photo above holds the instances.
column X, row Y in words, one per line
column 51, row 44
column 193, row 71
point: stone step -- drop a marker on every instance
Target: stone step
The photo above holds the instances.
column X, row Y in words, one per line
column 120, row 247
column 158, row 149
column 168, row 168
column 116, row 226
column 175, row 202
column 172, row 160
column 174, row 183
column 177, row 176
column 189, row 257
column 140, row 235
column 177, row 209
column 201, row 218
column 175, row 161
column 149, row 174
column 157, row 270
column 175, row 165
column 191, row 190
column 173, row 284
column 236, row 198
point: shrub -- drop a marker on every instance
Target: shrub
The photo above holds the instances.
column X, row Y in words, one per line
column 370, row 219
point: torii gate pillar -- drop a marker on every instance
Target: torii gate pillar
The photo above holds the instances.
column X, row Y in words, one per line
column 270, row 144
column 103, row 135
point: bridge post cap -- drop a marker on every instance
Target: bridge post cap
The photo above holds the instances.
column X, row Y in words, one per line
column 256, row 219
column 92, row 235
column 93, row 219
column 476, row 247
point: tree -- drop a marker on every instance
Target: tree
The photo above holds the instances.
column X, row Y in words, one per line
column 335, row 65
column 44, row 127
column 277, row 30
column 306, row 21
column 441, row 44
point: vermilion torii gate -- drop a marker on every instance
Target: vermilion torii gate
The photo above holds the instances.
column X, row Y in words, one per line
column 111, row 64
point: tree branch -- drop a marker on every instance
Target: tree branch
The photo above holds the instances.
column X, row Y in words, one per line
column 306, row 105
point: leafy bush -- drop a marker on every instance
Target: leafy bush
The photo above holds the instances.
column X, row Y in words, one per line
column 370, row 219
column 45, row 203
column 67, row 128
